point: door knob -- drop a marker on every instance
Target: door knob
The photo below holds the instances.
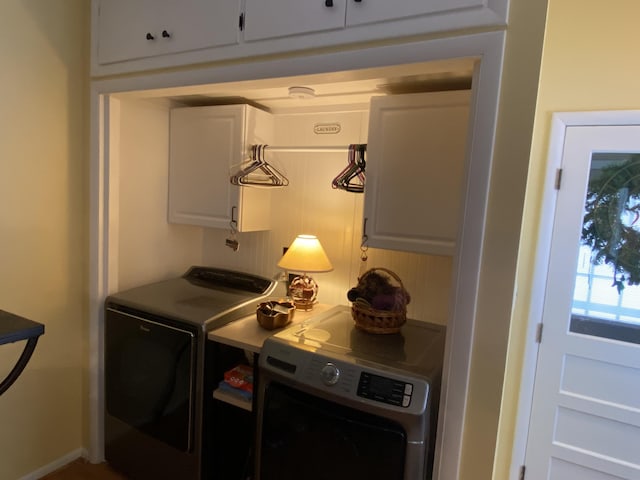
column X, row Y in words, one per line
column 328, row 3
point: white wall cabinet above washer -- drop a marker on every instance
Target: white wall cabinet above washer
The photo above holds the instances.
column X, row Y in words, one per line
column 281, row 18
column 208, row 144
column 415, row 169
column 135, row 29
column 370, row 11
column 204, row 31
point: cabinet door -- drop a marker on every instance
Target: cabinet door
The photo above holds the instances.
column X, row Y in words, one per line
column 204, row 141
column 206, row 144
column 280, row 18
column 122, row 29
column 254, row 203
column 371, row 11
column 134, row 29
column 415, row 166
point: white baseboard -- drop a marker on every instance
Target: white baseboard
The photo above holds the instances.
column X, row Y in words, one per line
column 56, row 464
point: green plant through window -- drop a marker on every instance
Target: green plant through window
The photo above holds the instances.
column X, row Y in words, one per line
column 610, row 226
column 608, row 275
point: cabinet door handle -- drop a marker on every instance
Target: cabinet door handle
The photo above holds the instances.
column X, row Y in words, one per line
column 165, row 34
column 365, row 237
column 150, row 37
column 328, row 3
column 358, row 1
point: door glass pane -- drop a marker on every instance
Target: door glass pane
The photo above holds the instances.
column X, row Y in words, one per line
column 606, row 299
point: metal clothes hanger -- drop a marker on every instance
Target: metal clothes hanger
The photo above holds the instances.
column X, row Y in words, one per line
column 258, row 172
column 352, row 177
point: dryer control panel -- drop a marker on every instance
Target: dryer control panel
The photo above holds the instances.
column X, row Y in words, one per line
column 341, row 377
column 384, row 389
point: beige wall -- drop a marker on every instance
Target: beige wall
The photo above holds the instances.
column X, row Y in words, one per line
column 589, row 62
column 42, row 226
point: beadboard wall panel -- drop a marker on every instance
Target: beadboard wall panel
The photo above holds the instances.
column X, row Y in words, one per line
column 150, row 249
column 310, row 205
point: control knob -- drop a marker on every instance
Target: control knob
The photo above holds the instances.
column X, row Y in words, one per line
column 330, row 374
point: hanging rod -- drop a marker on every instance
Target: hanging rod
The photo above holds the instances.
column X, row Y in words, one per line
column 334, row 148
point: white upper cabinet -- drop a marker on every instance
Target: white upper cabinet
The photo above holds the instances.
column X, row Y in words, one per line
column 137, row 29
column 414, row 171
column 281, row 18
column 370, row 11
column 207, row 145
column 138, row 35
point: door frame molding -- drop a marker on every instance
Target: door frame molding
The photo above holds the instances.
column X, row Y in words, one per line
column 486, row 47
column 560, row 122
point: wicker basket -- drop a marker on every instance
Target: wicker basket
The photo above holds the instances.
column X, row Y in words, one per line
column 372, row 320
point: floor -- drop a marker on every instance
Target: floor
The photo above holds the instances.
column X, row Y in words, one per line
column 82, row 470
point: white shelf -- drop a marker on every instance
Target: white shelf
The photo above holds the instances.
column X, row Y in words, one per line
column 232, row 399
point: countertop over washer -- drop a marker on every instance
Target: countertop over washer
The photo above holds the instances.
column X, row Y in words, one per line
column 246, row 332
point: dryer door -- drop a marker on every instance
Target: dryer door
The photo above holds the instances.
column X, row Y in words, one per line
column 149, row 377
column 304, row 436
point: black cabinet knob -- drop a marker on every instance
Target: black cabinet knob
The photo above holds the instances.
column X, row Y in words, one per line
column 150, row 37
column 328, row 3
column 358, row 1
column 165, row 34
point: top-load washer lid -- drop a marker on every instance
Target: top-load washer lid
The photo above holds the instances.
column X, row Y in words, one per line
column 418, row 348
column 207, row 297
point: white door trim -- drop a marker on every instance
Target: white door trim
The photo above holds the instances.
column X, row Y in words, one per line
column 559, row 124
column 488, row 47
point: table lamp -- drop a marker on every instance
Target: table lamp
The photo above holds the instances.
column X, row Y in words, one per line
column 305, row 255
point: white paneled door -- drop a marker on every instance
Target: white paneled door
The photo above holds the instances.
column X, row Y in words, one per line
column 585, row 417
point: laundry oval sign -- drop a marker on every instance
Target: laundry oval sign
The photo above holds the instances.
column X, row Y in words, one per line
column 326, row 128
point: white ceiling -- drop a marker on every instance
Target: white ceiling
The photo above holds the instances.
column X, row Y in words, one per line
column 354, row 87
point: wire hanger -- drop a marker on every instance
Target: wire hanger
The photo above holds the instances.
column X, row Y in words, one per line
column 352, row 177
column 259, row 172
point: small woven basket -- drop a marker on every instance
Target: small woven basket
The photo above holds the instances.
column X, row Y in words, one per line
column 372, row 320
